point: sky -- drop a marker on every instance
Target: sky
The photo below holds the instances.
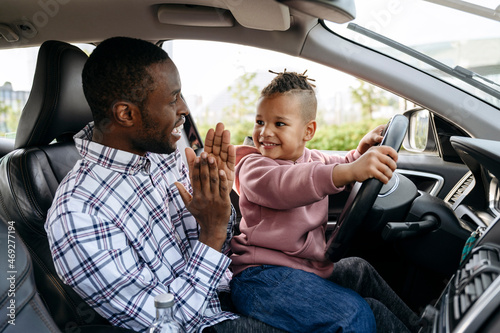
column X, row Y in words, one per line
column 415, row 22
column 17, row 66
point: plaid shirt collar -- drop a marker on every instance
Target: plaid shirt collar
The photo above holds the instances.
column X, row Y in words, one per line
column 109, row 158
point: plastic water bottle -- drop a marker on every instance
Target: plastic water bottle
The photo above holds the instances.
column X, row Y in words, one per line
column 165, row 322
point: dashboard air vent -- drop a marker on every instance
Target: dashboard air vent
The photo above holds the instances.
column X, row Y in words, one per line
column 474, row 292
column 459, row 189
column 473, row 279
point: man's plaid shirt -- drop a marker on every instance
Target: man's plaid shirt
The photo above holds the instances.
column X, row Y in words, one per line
column 120, row 234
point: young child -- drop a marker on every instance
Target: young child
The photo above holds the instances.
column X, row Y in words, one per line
column 281, row 275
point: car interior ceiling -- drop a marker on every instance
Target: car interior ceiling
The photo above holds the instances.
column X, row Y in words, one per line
column 275, row 20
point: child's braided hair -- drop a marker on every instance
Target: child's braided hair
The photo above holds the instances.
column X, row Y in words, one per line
column 296, row 84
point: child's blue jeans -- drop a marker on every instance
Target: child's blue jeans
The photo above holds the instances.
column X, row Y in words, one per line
column 298, row 301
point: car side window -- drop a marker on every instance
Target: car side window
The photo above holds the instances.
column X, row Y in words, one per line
column 225, row 81
column 17, row 67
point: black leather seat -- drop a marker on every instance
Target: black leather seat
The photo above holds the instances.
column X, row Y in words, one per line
column 29, row 175
column 21, row 309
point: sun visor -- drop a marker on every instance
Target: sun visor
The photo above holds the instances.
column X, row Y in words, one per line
column 261, row 14
column 195, row 16
column 272, row 16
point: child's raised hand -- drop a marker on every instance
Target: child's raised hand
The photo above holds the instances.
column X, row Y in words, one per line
column 217, row 144
column 377, row 162
column 370, row 139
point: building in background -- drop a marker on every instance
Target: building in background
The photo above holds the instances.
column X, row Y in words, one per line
column 11, row 104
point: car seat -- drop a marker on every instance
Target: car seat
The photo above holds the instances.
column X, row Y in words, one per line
column 30, row 174
column 21, row 309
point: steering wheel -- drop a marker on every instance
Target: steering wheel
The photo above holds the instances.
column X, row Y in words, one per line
column 363, row 196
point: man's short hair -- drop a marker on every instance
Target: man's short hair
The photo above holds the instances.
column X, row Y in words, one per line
column 117, row 70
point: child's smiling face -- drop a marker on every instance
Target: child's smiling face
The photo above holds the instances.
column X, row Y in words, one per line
column 280, row 131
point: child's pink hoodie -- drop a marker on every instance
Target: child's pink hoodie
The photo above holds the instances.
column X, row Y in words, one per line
column 284, row 205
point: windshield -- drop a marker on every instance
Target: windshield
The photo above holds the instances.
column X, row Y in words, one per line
column 460, row 47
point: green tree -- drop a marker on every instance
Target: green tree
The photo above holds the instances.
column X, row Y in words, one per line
column 239, row 130
column 369, row 97
column 8, row 119
column 342, row 137
column 237, row 117
column 245, row 94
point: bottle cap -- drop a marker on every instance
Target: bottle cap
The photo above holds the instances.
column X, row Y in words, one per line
column 164, row 300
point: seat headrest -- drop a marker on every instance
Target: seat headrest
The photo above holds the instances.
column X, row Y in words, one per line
column 56, row 107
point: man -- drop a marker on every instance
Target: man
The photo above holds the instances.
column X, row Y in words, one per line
column 129, row 222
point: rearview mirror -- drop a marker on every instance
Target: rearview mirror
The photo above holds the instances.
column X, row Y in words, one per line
column 420, row 137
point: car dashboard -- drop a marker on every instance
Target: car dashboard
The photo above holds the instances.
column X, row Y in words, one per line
column 471, row 300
